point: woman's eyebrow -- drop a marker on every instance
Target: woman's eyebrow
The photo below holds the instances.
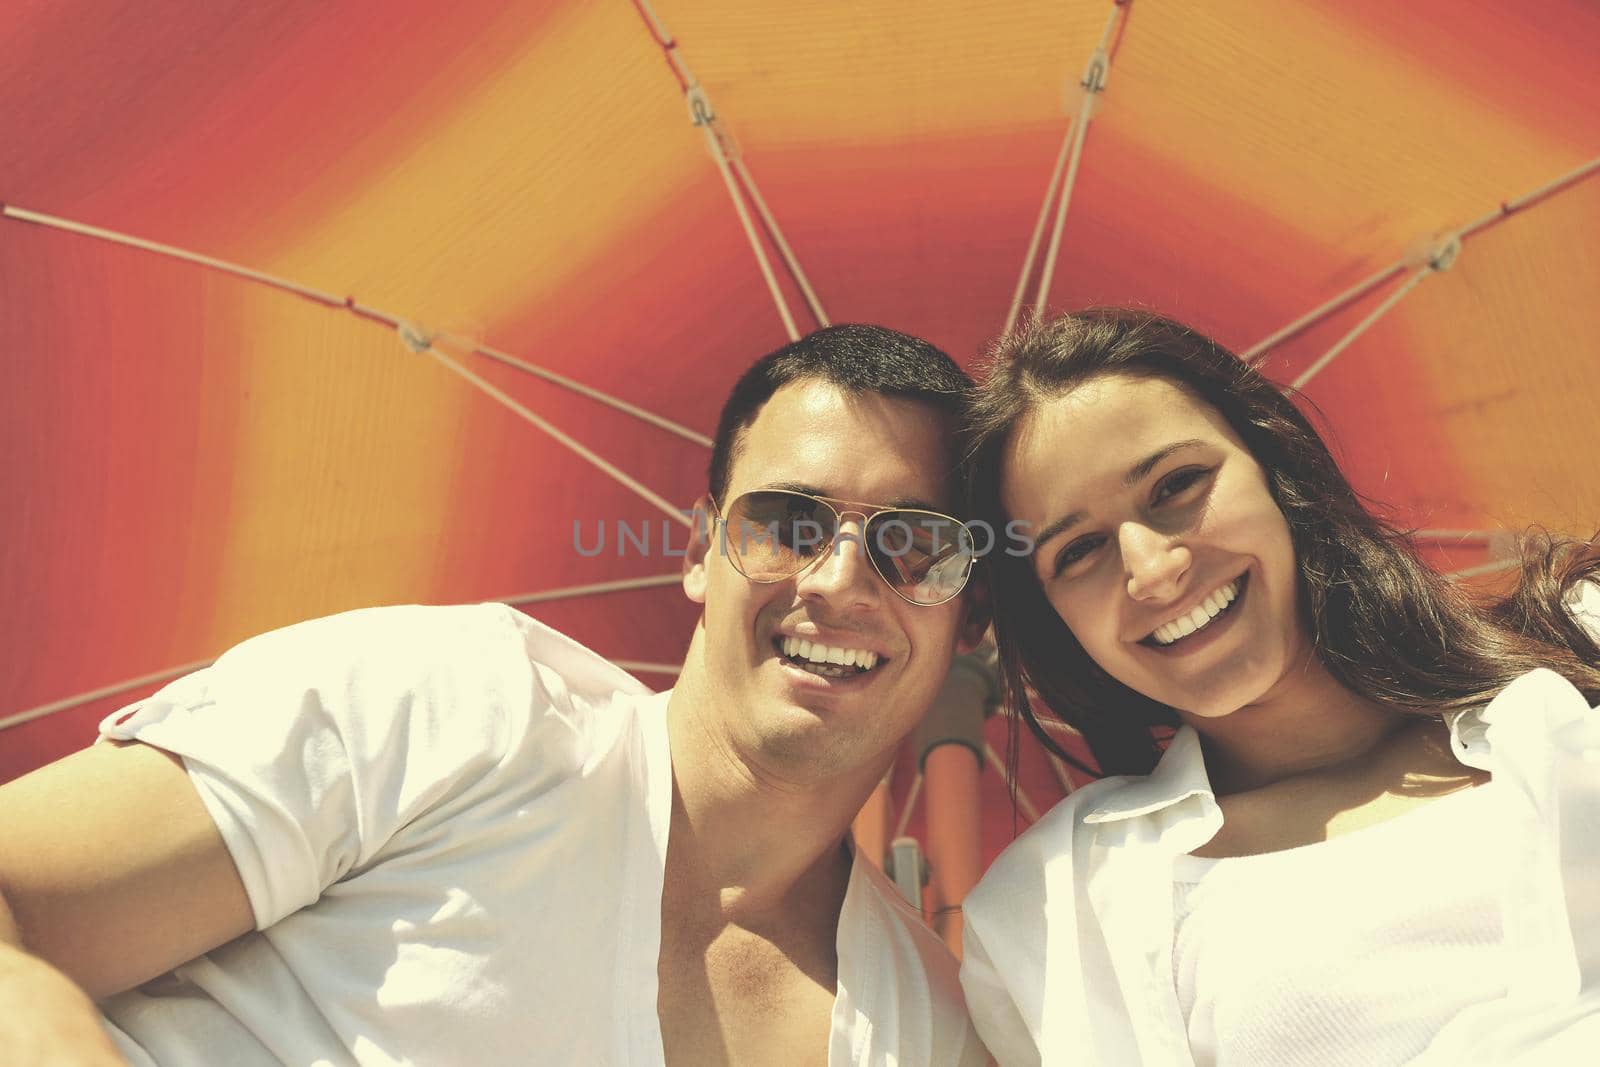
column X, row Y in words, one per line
column 1140, row 470
column 1056, row 528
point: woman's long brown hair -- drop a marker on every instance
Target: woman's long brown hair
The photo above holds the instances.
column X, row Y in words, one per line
column 1386, row 625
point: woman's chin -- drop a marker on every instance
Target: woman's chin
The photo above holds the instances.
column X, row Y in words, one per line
column 1220, row 703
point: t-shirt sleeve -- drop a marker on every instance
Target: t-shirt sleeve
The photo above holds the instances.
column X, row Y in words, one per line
column 311, row 746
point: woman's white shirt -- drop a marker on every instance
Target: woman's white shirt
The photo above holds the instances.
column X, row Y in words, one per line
column 1343, row 953
column 1069, row 939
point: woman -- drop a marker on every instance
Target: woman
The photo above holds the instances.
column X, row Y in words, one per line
column 1372, row 839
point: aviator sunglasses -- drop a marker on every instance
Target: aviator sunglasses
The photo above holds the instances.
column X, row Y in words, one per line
column 771, row 535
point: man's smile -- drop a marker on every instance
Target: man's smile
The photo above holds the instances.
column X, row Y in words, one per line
column 826, row 660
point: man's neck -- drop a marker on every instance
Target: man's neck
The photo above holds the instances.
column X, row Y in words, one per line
column 1308, row 723
column 744, row 835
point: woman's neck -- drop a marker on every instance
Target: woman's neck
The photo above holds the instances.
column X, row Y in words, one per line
column 1308, row 722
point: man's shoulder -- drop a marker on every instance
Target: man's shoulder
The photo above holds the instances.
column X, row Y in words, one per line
column 404, row 633
column 922, row 974
column 885, row 919
column 888, row 910
column 414, row 641
column 452, row 680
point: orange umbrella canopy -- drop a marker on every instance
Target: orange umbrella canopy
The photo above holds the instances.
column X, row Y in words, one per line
column 189, row 457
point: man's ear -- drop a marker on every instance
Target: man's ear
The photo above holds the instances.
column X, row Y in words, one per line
column 977, row 609
column 697, row 556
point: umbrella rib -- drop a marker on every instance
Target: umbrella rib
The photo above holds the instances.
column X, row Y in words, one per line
column 1092, row 84
column 568, row 592
column 910, row 805
column 39, row 712
column 347, row 303
column 1029, row 809
column 1360, row 328
column 634, row 666
column 1484, row 568
column 1511, row 207
column 659, row 421
column 1038, row 228
column 172, row 252
column 1261, row 348
column 583, row 452
column 789, row 258
column 654, row 581
column 1059, row 727
column 1080, row 130
column 706, row 121
column 1062, row 776
column 658, row 29
column 1440, row 257
column 736, row 176
column 1453, row 535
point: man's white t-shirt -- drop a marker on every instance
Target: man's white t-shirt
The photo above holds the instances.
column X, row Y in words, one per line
column 451, row 824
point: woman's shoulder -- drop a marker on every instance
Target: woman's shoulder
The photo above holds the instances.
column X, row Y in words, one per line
column 1019, row 869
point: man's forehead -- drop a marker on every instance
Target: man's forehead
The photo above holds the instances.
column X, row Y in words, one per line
column 896, row 450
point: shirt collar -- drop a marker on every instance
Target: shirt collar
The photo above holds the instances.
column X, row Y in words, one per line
column 1180, row 774
column 1528, row 714
column 1469, row 736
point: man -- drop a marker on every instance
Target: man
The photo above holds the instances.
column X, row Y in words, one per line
column 451, row 835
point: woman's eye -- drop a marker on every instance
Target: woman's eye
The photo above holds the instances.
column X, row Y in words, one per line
column 1178, row 481
column 1073, row 553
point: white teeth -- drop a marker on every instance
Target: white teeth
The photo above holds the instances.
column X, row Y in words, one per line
column 1198, row 617
column 816, row 652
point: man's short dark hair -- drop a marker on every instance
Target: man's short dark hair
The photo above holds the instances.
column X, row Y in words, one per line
column 857, row 359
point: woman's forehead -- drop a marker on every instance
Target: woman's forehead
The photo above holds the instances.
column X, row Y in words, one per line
column 1085, row 440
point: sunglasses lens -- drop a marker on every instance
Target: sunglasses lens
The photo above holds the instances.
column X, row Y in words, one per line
column 926, row 556
column 773, row 535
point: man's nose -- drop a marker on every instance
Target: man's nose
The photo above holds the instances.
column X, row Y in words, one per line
column 1155, row 562
column 844, row 576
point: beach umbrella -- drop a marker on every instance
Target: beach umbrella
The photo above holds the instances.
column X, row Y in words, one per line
column 311, row 306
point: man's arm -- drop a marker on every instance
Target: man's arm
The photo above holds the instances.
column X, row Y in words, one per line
column 46, row 1019
column 112, row 872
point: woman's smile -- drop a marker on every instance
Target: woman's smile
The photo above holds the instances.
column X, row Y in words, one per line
column 1200, row 626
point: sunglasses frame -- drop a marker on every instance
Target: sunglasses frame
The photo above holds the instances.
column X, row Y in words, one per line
column 843, row 508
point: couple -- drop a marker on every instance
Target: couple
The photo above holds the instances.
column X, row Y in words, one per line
column 452, row 835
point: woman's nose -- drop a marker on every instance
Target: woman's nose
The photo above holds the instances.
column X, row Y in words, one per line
column 1155, row 562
